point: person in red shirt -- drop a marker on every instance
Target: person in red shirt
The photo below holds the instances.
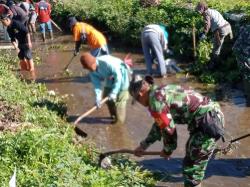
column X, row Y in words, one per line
column 43, row 10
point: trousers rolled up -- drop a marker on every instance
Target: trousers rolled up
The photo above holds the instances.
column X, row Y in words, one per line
column 117, row 109
column 152, row 48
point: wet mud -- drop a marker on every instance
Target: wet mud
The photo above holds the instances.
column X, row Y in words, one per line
column 229, row 170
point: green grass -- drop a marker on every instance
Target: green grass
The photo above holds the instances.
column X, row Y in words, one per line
column 44, row 149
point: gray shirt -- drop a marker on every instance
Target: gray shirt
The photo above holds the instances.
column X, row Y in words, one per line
column 213, row 19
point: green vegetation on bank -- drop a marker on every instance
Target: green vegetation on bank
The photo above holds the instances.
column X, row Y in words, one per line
column 43, row 147
column 123, row 20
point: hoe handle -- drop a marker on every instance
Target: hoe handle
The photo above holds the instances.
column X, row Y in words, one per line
column 131, row 152
column 67, row 66
column 89, row 111
column 239, row 138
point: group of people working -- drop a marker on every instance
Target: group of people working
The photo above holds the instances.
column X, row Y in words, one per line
column 168, row 104
column 20, row 21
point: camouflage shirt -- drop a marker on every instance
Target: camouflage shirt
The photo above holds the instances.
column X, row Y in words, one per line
column 170, row 104
column 241, row 46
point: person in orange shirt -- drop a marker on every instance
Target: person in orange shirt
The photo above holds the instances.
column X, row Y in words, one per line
column 85, row 33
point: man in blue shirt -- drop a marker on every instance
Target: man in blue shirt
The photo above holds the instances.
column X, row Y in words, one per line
column 115, row 73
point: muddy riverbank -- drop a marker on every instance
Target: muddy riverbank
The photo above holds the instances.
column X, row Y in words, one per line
column 231, row 170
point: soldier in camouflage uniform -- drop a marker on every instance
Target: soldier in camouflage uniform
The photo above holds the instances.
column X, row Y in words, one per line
column 170, row 104
column 241, row 49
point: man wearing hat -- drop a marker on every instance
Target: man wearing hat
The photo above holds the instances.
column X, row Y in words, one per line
column 18, row 32
column 170, row 104
column 219, row 26
column 83, row 32
column 115, row 73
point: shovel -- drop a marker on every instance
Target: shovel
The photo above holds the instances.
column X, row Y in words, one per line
column 78, row 130
column 67, row 66
column 105, row 162
column 227, row 148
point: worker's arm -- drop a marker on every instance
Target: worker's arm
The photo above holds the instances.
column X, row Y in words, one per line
column 15, row 45
column 96, row 82
column 29, row 40
column 207, row 22
column 76, row 37
column 153, row 135
column 117, row 81
column 168, row 130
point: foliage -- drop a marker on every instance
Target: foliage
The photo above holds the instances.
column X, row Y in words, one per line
column 45, row 152
column 124, row 20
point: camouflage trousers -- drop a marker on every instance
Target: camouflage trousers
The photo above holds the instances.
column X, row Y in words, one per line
column 117, row 109
column 199, row 150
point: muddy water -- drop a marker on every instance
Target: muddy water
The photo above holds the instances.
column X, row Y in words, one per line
column 231, row 170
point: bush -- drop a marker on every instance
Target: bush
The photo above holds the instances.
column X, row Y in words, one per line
column 124, row 21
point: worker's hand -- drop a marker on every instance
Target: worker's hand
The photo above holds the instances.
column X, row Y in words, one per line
column 76, row 52
column 202, row 36
column 165, row 155
column 98, row 103
column 138, row 151
column 112, row 97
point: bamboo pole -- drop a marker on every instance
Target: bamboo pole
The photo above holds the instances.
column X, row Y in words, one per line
column 194, row 41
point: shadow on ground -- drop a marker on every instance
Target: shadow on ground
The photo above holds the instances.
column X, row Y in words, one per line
column 172, row 168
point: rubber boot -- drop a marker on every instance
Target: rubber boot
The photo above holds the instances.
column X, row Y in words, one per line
column 112, row 111
column 121, row 115
column 51, row 35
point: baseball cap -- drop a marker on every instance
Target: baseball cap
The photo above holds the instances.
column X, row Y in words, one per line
column 136, row 85
column 72, row 21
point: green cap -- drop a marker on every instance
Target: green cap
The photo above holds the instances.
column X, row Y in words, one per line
column 136, row 85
